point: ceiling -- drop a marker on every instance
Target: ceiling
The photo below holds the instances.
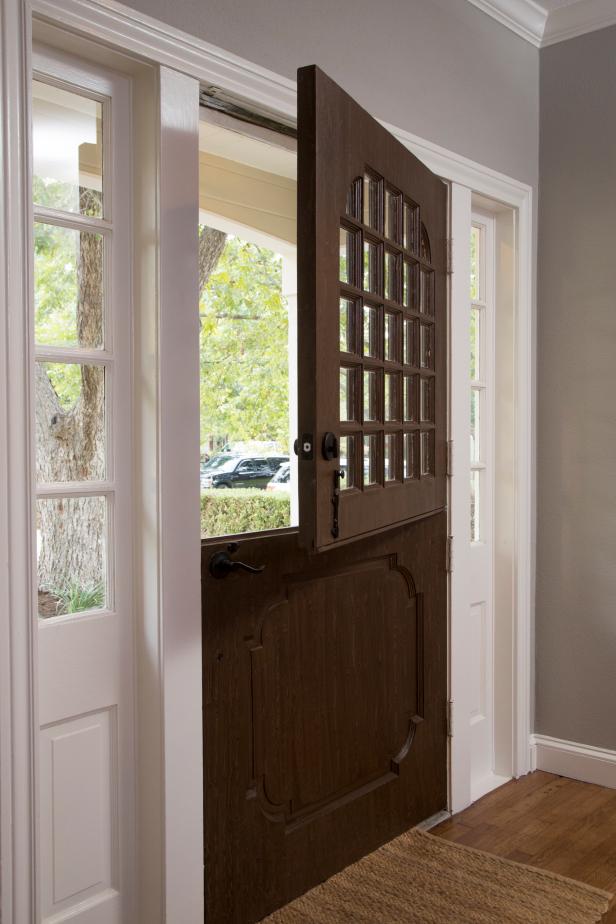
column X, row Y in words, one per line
column 545, row 22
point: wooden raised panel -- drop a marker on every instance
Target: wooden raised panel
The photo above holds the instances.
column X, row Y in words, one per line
column 324, row 697
column 79, row 820
column 330, row 655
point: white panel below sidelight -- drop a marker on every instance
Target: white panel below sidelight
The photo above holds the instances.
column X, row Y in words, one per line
column 478, row 680
column 79, row 824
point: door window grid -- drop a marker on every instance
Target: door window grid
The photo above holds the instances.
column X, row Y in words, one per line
column 75, row 367
column 386, row 294
column 478, row 384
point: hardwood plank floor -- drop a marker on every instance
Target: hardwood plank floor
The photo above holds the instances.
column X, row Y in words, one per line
column 546, row 821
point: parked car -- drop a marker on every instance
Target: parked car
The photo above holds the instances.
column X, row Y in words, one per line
column 277, row 461
column 281, row 482
column 227, row 471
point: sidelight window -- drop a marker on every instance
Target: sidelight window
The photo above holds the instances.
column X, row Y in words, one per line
column 480, row 335
column 74, row 351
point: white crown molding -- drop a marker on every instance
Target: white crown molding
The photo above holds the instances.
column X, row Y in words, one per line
column 533, row 23
column 576, row 761
column 578, row 19
column 524, row 17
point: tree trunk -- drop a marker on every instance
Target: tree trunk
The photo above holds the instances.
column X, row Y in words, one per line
column 211, row 245
column 71, row 440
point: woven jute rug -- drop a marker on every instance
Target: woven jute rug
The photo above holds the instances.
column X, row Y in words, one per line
column 422, row 879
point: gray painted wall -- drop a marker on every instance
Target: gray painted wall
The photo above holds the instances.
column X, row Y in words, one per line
column 439, row 68
column 576, row 541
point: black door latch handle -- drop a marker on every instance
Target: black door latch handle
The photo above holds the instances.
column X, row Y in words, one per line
column 221, row 564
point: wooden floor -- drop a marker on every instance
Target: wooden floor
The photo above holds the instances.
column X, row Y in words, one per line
column 546, row 821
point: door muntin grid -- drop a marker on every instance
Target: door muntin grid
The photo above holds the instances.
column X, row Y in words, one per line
column 387, row 300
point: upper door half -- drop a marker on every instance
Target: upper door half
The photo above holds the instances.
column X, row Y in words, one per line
column 372, row 240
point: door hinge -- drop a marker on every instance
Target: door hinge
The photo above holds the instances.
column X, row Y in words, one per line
column 449, row 466
column 449, row 255
column 449, row 554
column 449, row 718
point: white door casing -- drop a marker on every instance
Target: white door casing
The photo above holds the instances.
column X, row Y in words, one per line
column 86, row 660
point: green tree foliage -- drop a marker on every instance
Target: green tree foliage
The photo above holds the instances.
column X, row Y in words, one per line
column 243, row 341
column 56, row 259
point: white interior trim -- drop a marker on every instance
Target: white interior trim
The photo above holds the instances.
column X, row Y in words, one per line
column 577, row 761
column 118, row 26
column 525, row 18
column 541, row 27
column 578, row 19
column 179, row 499
column 18, row 638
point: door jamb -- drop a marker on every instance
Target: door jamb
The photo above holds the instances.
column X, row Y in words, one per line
column 132, row 32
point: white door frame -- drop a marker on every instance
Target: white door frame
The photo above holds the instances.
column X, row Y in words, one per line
column 127, row 30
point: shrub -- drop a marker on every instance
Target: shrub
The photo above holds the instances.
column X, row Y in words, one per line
column 242, row 510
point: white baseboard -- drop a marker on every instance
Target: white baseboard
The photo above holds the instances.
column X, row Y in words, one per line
column 577, row 761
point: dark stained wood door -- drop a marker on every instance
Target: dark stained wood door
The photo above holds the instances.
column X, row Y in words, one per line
column 325, row 673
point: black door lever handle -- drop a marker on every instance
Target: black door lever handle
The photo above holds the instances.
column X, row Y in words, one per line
column 221, row 564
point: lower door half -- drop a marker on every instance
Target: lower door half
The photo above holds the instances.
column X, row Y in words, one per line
column 324, row 709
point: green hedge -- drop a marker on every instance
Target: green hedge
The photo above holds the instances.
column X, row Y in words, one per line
column 242, row 510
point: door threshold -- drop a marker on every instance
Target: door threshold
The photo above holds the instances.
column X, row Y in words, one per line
column 433, row 821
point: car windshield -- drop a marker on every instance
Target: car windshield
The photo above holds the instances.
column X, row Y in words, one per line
column 221, row 464
column 283, row 473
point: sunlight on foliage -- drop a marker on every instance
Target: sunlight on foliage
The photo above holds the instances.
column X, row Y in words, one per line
column 243, row 348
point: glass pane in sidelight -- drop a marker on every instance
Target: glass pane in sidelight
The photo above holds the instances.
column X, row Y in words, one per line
column 426, row 358
column 410, row 453
column 347, row 325
column 371, row 458
column 371, row 266
column 347, row 462
column 392, row 272
column 70, row 422
column 347, row 267
column 68, row 287
column 392, row 395
column 371, row 331
column 475, row 333
column 427, row 452
column 390, row 453
column 391, row 338
column 67, row 150
column 475, row 266
column 475, row 506
column 372, row 202
column 71, row 551
column 426, row 400
column 475, row 425
column 410, row 398
column 348, row 397
column 370, row 395
column 408, row 352
column 426, row 293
